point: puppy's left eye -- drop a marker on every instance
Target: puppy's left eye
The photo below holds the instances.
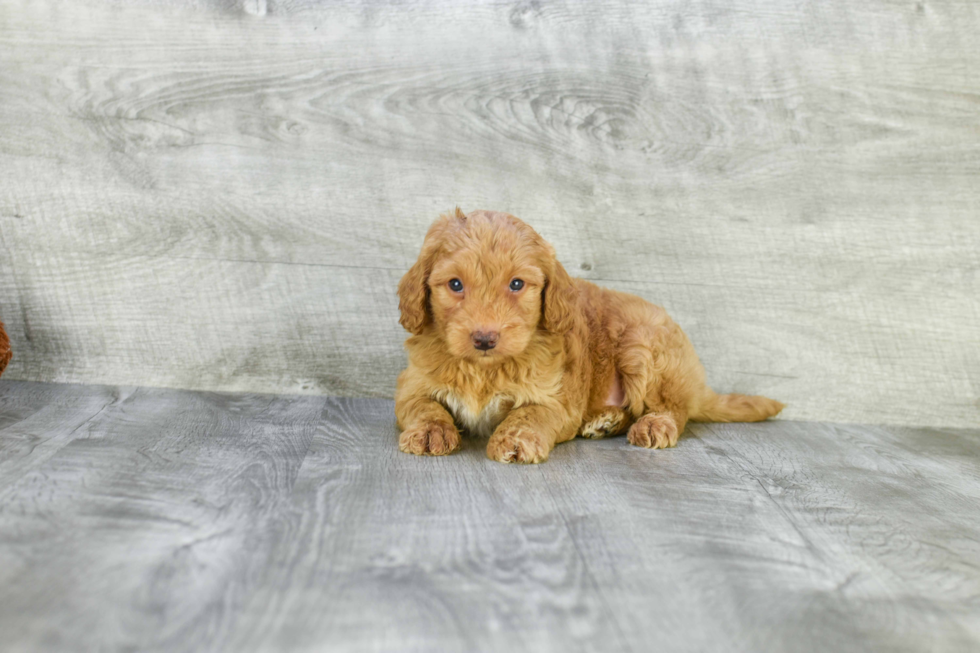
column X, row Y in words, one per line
column 516, row 284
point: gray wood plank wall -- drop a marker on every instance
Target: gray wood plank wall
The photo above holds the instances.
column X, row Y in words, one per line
column 222, row 195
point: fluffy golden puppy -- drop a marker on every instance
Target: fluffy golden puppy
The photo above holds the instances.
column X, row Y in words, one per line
column 505, row 343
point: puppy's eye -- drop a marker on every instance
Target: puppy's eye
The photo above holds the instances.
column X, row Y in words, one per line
column 456, row 285
column 516, row 284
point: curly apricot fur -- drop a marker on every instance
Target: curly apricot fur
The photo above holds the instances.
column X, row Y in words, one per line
column 568, row 355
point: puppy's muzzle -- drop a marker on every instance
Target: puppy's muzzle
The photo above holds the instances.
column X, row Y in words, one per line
column 484, row 340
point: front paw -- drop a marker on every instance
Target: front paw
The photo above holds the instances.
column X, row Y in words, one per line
column 517, row 445
column 430, row 439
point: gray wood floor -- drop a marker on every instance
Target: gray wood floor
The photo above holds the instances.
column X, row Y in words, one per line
column 151, row 519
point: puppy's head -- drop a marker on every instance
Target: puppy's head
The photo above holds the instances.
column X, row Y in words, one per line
column 485, row 282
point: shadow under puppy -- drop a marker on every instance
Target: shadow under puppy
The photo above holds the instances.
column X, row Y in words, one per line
column 505, row 343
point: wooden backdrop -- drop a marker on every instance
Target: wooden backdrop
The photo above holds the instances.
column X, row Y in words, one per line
column 219, row 194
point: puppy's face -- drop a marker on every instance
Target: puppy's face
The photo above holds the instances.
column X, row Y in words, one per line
column 485, row 296
column 484, row 282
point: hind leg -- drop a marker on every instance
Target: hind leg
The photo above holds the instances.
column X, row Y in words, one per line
column 662, row 378
column 661, row 402
column 657, row 430
column 611, row 421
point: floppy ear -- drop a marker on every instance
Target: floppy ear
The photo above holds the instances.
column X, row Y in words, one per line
column 413, row 297
column 413, row 289
column 559, row 303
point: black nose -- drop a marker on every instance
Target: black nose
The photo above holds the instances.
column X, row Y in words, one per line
column 484, row 340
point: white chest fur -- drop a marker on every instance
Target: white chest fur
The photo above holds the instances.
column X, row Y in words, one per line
column 478, row 420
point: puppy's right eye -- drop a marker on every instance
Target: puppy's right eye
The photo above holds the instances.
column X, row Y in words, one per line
column 456, row 285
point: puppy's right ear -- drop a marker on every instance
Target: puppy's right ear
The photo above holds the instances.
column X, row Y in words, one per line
column 413, row 296
column 413, row 289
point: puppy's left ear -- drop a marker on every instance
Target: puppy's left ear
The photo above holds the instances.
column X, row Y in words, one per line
column 560, row 300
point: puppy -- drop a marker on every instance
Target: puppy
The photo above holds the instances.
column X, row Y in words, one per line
column 5, row 354
column 506, row 344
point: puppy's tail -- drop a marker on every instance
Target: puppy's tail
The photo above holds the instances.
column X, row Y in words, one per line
column 735, row 408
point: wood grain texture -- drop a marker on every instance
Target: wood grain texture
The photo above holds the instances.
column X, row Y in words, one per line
column 222, row 195
column 182, row 521
column 138, row 533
